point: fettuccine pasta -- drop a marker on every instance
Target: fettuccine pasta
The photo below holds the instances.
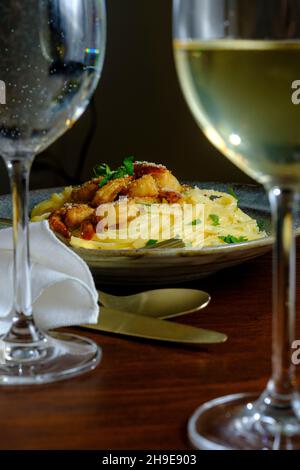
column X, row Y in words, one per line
column 149, row 206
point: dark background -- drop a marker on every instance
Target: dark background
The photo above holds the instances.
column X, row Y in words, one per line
column 138, row 108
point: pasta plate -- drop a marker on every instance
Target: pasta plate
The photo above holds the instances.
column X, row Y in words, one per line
column 168, row 266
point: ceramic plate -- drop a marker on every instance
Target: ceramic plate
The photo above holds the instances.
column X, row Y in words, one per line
column 165, row 266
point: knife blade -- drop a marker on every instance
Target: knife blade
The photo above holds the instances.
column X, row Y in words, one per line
column 129, row 324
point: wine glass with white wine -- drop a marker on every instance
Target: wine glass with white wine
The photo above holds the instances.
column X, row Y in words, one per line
column 52, row 54
column 238, row 63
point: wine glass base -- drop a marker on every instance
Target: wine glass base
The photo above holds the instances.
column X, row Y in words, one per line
column 57, row 356
column 236, row 422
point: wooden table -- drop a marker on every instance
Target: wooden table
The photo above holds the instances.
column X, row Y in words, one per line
column 142, row 394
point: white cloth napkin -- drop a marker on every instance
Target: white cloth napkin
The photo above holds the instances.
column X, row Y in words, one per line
column 63, row 288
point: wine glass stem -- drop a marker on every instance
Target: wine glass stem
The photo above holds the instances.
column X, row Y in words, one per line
column 281, row 387
column 23, row 328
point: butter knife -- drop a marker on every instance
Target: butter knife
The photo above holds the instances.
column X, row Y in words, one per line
column 129, row 324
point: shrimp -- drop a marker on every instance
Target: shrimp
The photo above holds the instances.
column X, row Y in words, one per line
column 143, row 187
column 69, row 217
column 110, row 191
column 86, row 192
column 76, row 214
column 166, row 181
column 146, row 168
column 57, row 224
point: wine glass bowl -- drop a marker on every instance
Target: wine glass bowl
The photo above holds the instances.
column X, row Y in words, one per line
column 237, row 62
column 238, row 81
column 52, row 56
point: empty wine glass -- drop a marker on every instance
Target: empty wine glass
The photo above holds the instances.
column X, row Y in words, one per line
column 52, row 54
column 238, row 62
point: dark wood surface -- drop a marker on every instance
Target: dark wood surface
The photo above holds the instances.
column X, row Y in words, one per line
column 142, row 394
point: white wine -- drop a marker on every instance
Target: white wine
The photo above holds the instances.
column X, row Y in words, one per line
column 240, row 93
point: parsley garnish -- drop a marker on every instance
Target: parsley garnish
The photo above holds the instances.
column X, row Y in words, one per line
column 102, row 170
column 127, row 169
column 215, row 219
column 233, row 193
column 128, row 165
column 104, row 180
column 196, row 222
column 151, row 243
column 231, row 239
